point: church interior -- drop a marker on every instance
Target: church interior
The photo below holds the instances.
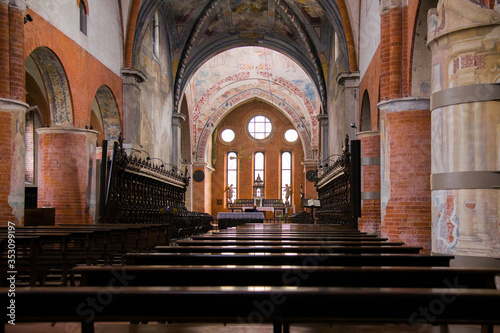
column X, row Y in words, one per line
column 169, row 141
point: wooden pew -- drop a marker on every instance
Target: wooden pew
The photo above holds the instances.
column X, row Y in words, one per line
column 298, row 276
column 290, row 249
column 226, row 242
column 371, row 238
column 299, row 259
column 280, row 306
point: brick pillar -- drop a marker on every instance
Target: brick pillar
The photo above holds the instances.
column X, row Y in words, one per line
column 16, row 51
column 12, row 111
column 12, row 157
column 405, row 169
column 465, row 128
column 4, row 50
column 202, row 195
column 66, row 173
column 370, row 182
column 391, row 49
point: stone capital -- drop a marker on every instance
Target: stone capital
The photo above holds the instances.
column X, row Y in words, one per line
column 386, row 5
column 11, row 105
column 19, row 4
column 133, row 77
column 348, row 79
column 322, row 119
column 404, row 104
column 177, row 119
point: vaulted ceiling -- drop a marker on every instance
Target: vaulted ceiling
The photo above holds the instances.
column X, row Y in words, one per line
column 200, row 29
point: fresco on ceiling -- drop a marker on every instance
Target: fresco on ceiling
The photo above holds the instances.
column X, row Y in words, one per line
column 216, row 26
column 249, row 14
column 282, row 27
column 313, row 12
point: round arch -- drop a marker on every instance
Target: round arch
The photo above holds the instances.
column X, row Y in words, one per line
column 56, row 85
column 109, row 111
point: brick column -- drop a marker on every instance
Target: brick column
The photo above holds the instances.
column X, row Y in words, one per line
column 12, row 111
column 391, row 49
column 4, row 50
column 12, row 157
column 405, row 169
column 16, row 50
column 202, row 191
column 370, row 182
column 66, row 173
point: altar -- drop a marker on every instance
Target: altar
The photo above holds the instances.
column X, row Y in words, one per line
column 226, row 220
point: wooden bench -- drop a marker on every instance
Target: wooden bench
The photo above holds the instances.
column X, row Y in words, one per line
column 226, row 242
column 298, row 276
column 299, row 259
column 291, row 238
column 289, row 249
column 280, row 306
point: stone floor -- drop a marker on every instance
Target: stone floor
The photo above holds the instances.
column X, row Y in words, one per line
column 235, row 328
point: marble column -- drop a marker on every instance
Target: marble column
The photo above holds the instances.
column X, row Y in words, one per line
column 132, row 105
column 464, row 39
column 177, row 119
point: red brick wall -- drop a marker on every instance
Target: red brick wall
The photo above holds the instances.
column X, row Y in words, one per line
column 246, row 147
column 4, row 51
column 370, row 210
column 84, row 72
column 63, row 174
column 408, row 213
column 16, row 61
column 391, row 50
column 370, row 82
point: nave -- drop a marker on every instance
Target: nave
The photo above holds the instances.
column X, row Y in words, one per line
column 229, row 284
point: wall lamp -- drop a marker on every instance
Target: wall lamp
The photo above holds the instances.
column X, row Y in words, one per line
column 28, row 18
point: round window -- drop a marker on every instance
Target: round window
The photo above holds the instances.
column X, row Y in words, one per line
column 291, row 135
column 259, row 127
column 227, row 135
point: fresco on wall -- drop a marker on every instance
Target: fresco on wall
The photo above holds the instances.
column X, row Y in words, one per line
column 234, row 75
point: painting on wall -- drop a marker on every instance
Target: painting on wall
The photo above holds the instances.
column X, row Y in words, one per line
column 249, row 14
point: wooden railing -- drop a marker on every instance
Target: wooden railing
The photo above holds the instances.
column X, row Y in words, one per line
column 140, row 192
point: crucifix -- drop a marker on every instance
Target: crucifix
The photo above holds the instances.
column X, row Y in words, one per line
column 239, row 157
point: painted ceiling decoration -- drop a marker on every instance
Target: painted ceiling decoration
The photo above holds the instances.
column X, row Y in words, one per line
column 199, row 29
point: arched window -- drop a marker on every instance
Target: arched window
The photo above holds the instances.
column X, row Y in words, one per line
column 286, row 172
column 259, row 166
column 83, row 18
column 232, row 173
column 366, row 118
